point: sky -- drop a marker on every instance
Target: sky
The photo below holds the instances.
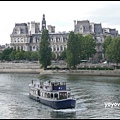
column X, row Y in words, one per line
column 60, row 14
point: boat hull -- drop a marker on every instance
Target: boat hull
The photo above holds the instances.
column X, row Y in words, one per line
column 56, row 104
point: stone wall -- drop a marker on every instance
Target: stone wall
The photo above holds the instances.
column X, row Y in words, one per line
column 83, row 72
column 35, row 68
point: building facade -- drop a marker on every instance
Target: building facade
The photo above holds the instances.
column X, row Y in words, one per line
column 85, row 27
column 27, row 36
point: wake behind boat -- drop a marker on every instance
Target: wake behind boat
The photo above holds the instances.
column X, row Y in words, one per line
column 52, row 94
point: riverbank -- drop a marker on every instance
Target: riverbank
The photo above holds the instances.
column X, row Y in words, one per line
column 83, row 72
column 20, row 68
column 34, row 68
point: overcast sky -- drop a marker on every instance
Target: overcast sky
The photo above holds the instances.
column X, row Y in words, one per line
column 57, row 13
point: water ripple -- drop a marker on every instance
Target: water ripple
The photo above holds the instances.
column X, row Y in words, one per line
column 90, row 92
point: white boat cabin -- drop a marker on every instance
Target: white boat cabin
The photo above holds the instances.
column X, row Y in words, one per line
column 51, row 90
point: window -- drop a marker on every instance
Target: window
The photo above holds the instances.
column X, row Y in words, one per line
column 22, row 31
column 55, row 95
column 62, row 95
column 61, row 47
column 84, row 27
column 15, row 31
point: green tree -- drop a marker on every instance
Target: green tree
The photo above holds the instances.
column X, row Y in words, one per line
column 53, row 56
column 73, row 50
column 12, row 55
column 19, row 55
column 88, row 47
column 80, row 37
column 107, row 41
column 34, row 56
column 0, row 56
column 27, row 55
column 6, row 53
column 45, row 54
column 112, row 51
column 63, row 55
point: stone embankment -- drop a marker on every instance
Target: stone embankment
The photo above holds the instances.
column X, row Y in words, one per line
column 83, row 72
column 19, row 68
column 35, row 68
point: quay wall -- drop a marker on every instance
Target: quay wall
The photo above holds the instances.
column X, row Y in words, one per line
column 84, row 72
column 35, row 68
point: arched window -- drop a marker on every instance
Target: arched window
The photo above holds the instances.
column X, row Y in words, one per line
column 51, row 95
column 30, row 48
column 61, row 48
column 54, row 49
column 57, row 48
column 33, row 47
column 55, row 95
column 21, row 47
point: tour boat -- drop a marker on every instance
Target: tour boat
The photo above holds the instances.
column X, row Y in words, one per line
column 53, row 94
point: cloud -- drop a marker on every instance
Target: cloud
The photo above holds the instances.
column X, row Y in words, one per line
column 108, row 14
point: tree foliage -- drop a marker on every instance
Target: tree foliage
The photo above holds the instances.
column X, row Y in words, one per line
column 45, row 54
column 53, row 56
column 10, row 55
column 63, row 55
column 113, row 50
column 5, row 54
column 79, row 47
column 106, row 42
column 34, row 56
column 88, row 47
column 73, row 49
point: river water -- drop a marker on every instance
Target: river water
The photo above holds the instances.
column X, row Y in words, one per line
column 91, row 92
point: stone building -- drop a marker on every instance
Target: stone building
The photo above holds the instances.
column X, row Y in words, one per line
column 27, row 37
column 51, row 29
column 2, row 47
column 85, row 27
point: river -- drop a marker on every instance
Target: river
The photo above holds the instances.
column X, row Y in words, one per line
column 91, row 92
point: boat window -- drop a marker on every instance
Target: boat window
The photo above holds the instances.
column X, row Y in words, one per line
column 62, row 95
column 45, row 94
column 39, row 92
column 55, row 95
column 48, row 95
column 51, row 95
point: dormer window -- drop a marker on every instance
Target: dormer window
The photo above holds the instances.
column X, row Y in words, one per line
column 22, row 31
column 15, row 31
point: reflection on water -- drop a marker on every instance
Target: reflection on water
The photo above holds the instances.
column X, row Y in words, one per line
column 91, row 93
